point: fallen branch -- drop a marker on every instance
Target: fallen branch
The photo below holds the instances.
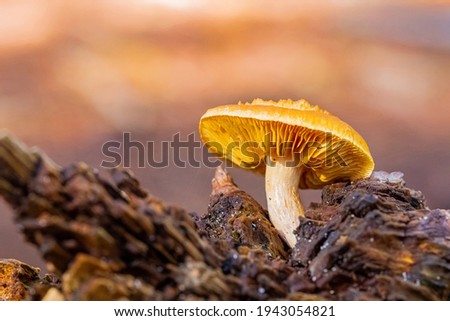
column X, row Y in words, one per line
column 373, row 239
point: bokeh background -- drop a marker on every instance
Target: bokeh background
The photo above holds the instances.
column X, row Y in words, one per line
column 76, row 74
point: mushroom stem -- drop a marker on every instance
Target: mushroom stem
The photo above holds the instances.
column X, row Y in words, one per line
column 283, row 202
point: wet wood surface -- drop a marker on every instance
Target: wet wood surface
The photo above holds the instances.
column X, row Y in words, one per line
column 373, row 239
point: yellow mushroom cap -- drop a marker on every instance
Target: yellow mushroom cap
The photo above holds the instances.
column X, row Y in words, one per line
column 329, row 149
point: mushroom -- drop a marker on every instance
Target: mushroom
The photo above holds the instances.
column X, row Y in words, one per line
column 295, row 144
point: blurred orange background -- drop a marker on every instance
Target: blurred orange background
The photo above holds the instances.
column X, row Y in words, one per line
column 76, row 74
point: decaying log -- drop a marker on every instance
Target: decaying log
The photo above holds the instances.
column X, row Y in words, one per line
column 234, row 219
column 382, row 243
column 368, row 240
column 20, row 281
column 130, row 237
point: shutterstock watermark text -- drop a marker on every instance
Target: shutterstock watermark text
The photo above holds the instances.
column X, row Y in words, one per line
column 191, row 152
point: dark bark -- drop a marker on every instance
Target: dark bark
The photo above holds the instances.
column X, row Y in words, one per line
column 368, row 240
column 19, row 281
